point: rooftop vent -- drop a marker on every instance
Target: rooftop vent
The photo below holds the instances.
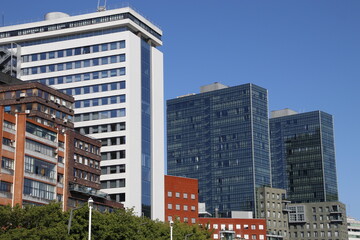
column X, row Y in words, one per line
column 55, row 15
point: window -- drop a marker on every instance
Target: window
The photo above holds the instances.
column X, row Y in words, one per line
column 169, row 194
column 177, row 207
column 7, row 163
column 238, row 226
column 39, row 167
column 5, row 186
column 177, row 195
column 261, row 227
column 185, row 195
column 185, row 207
column 169, row 206
column 39, row 189
column 253, row 227
column 192, row 196
column 7, row 142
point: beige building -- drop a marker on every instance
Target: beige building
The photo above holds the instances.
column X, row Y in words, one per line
column 272, row 205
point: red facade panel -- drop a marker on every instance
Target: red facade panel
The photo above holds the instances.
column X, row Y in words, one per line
column 181, row 199
column 242, row 228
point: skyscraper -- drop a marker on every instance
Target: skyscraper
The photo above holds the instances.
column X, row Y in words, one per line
column 303, row 155
column 110, row 63
column 220, row 137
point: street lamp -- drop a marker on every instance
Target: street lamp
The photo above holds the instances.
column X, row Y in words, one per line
column 90, row 205
column 171, row 229
column 71, row 217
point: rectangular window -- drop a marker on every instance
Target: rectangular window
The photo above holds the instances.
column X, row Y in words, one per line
column 39, row 189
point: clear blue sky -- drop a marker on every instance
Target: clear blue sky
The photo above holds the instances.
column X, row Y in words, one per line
column 306, row 53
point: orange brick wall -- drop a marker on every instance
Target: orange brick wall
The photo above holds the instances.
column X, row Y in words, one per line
column 178, row 199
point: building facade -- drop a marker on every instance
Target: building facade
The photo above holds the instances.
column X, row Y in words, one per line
column 220, row 137
column 235, row 228
column 303, row 155
column 110, row 63
column 273, row 206
column 353, row 226
column 319, row 220
column 181, row 199
column 38, row 151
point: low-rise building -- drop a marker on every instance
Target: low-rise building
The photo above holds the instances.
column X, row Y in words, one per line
column 235, row 228
column 353, row 227
column 181, row 199
column 319, row 220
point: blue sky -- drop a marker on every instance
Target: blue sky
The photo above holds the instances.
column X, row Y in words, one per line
column 306, row 53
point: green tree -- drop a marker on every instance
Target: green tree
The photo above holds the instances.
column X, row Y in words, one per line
column 50, row 223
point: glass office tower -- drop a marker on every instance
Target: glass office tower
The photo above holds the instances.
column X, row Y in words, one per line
column 303, row 155
column 220, row 136
column 110, row 62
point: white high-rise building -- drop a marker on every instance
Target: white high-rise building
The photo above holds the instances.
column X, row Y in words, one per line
column 109, row 61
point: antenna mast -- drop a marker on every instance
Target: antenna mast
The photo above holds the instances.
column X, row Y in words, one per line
column 101, row 8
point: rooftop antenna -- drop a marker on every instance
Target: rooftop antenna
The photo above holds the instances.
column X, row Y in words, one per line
column 101, row 8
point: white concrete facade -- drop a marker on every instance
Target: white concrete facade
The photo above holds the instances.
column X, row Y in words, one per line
column 91, row 116
column 353, row 227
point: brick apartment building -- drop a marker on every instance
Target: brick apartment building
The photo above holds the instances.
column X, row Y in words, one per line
column 42, row 158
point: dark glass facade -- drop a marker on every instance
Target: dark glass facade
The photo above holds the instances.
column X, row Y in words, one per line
column 145, row 129
column 303, row 156
column 221, row 138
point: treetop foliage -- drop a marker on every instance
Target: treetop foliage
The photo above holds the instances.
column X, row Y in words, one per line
column 49, row 222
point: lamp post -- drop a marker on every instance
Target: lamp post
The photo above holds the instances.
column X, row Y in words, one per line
column 71, row 217
column 171, row 229
column 90, row 205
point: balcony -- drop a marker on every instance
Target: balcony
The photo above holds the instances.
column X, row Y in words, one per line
column 40, row 177
column 36, row 199
column 7, row 171
column 336, row 219
column 8, row 148
column 5, row 194
column 86, row 190
column 335, row 211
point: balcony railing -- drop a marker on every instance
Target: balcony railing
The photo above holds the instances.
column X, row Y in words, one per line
column 40, row 177
column 86, row 190
column 5, row 194
column 36, row 199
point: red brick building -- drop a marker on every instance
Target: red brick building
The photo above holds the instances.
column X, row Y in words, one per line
column 254, row 229
column 42, row 158
column 181, row 199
